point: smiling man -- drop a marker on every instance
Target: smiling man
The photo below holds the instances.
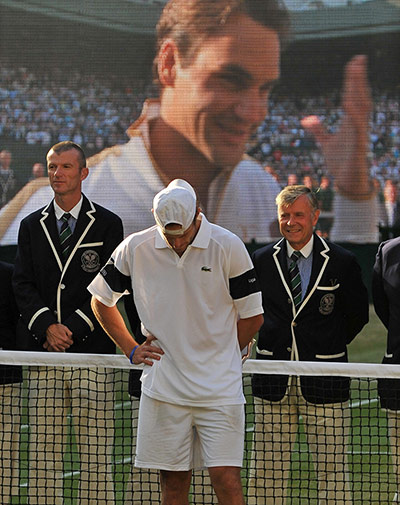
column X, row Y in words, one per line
column 315, row 303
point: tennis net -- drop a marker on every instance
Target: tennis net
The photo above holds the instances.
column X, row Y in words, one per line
column 68, row 431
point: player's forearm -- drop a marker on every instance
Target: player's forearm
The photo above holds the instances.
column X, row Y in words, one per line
column 247, row 328
column 114, row 325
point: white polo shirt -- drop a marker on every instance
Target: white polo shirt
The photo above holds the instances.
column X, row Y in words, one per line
column 191, row 304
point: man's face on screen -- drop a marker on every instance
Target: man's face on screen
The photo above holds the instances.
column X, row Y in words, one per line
column 220, row 97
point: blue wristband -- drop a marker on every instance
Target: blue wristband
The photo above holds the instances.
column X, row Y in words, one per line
column 132, row 353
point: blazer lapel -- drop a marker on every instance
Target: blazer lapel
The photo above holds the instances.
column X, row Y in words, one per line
column 81, row 223
column 280, row 259
column 85, row 220
column 48, row 223
column 320, row 260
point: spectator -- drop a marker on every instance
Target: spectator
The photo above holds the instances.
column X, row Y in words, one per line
column 309, row 182
column 61, row 247
column 390, row 227
column 273, row 172
column 8, row 182
column 328, row 308
column 38, row 170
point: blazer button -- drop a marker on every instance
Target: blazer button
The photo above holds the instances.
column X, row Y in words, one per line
column 289, row 300
column 289, row 349
column 294, row 323
column 62, row 286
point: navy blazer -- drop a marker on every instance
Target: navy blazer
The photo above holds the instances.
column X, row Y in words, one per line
column 8, row 321
column 386, row 298
column 333, row 311
column 48, row 291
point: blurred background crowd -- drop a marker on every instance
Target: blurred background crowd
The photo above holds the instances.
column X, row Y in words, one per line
column 40, row 108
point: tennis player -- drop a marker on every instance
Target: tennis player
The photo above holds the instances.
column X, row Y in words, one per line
column 199, row 302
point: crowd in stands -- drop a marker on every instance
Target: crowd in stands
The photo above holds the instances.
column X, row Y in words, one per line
column 283, row 144
column 54, row 105
column 48, row 106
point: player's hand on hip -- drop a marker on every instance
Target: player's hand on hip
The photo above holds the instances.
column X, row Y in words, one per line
column 147, row 352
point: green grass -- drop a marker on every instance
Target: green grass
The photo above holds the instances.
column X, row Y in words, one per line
column 370, row 344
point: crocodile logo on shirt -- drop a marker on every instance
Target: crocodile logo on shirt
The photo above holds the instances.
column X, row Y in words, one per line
column 206, row 269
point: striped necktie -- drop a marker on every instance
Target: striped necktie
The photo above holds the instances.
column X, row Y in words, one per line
column 295, row 280
column 65, row 235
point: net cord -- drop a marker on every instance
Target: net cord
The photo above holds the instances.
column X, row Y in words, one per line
column 308, row 368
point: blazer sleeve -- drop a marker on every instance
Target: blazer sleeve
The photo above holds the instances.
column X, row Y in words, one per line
column 82, row 322
column 379, row 298
column 8, row 308
column 34, row 312
column 356, row 304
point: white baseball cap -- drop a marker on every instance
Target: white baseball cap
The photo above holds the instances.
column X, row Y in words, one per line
column 176, row 204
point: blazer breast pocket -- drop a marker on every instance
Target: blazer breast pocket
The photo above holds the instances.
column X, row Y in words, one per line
column 90, row 257
column 328, row 299
column 328, row 288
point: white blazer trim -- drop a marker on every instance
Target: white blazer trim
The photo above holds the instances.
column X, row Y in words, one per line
column 93, row 244
column 326, row 258
column 330, row 356
column 46, row 232
column 328, row 288
column 323, row 253
column 89, row 213
column 287, row 287
column 85, row 318
column 264, row 352
column 36, row 315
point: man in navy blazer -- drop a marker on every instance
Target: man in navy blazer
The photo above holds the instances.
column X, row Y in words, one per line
column 314, row 324
column 386, row 297
column 10, row 391
column 61, row 248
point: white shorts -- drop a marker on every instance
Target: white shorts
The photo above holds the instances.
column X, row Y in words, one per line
column 181, row 437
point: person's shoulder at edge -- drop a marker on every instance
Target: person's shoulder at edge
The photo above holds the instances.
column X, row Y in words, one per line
column 392, row 243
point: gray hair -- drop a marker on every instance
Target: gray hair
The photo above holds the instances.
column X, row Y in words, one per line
column 290, row 194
